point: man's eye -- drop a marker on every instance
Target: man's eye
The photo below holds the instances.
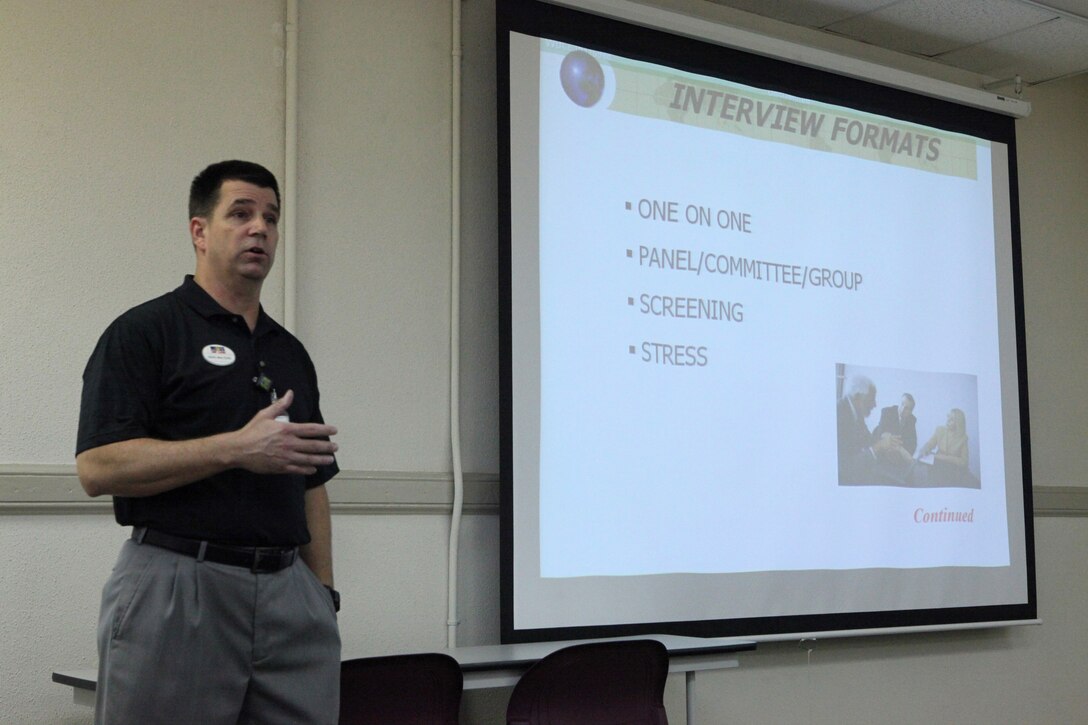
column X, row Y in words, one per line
column 272, row 220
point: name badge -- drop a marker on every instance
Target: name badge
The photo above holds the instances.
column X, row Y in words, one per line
column 220, row 355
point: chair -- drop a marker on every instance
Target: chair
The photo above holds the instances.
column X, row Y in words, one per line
column 414, row 689
column 618, row 682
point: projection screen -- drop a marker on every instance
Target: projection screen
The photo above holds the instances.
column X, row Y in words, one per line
column 762, row 356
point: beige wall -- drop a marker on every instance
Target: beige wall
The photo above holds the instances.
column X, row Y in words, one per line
column 1053, row 164
column 107, row 109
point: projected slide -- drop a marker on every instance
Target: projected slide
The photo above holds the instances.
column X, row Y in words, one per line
column 716, row 262
column 762, row 356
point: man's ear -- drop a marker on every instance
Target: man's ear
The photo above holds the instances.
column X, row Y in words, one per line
column 198, row 227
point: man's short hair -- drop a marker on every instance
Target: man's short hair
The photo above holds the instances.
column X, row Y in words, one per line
column 204, row 191
column 858, row 385
column 909, row 397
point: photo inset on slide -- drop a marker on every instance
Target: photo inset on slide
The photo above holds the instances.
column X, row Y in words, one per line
column 906, row 428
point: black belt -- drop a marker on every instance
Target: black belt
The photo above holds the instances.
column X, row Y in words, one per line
column 258, row 559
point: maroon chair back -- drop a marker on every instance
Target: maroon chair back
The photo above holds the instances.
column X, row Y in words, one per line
column 415, row 689
column 599, row 683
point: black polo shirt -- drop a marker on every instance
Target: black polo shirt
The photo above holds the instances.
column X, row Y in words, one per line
column 181, row 367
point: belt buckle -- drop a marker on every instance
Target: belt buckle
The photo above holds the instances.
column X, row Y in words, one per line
column 266, row 555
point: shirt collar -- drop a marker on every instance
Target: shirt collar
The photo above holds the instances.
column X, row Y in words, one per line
column 198, row 298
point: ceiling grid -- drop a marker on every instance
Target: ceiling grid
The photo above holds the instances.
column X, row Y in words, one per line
column 1000, row 39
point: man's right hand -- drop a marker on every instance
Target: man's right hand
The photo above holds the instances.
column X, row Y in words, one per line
column 268, row 445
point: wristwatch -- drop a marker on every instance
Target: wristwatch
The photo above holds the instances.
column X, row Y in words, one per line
column 335, row 598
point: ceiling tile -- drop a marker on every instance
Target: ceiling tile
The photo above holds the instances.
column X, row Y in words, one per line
column 932, row 27
column 997, row 38
column 813, row 14
column 1052, row 50
column 1077, row 7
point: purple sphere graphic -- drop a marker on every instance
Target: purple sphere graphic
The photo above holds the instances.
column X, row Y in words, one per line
column 582, row 78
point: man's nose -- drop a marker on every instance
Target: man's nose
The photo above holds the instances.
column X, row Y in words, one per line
column 258, row 226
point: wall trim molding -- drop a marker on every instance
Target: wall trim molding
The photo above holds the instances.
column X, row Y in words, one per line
column 1060, row 500
column 54, row 489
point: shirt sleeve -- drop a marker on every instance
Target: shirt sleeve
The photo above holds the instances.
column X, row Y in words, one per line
column 323, row 473
column 120, row 385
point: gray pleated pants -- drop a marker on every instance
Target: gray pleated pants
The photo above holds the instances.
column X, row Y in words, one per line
column 187, row 642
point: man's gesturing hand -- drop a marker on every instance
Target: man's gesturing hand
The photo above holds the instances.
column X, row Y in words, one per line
column 272, row 446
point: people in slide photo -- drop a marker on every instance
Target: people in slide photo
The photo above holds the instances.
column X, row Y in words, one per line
column 859, row 450
column 898, row 421
column 949, row 446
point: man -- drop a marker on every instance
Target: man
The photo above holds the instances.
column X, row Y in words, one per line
column 899, row 423
column 858, row 452
column 200, row 417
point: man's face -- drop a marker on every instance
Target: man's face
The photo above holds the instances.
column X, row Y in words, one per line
column 906, row 407
column 866, row 402
column 870, row 402
column 240, row 237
